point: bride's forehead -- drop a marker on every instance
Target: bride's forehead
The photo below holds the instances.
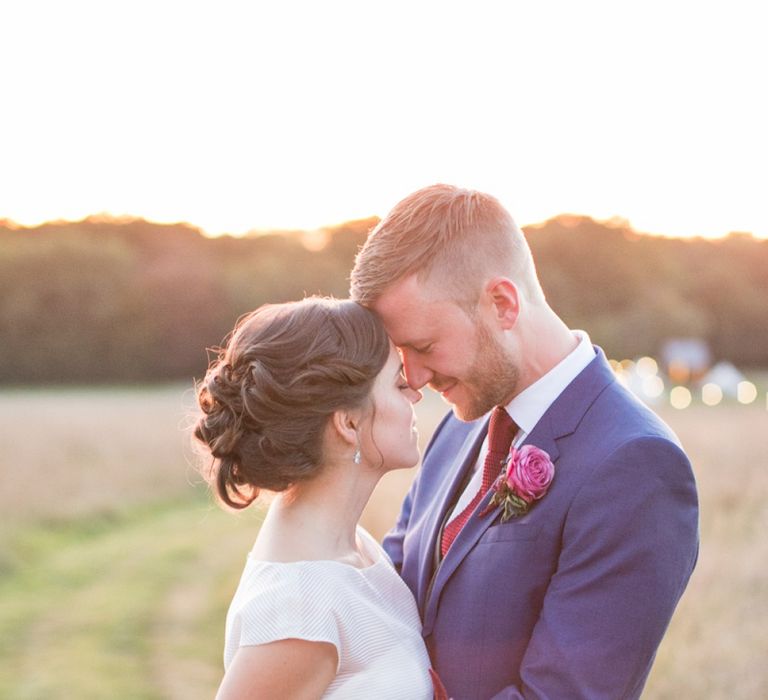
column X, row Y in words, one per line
column 393, row 359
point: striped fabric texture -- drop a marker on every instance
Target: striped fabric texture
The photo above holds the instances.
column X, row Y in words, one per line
column 368, row 614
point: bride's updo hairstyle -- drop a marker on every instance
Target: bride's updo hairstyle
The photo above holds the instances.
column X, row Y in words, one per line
column 267, row 398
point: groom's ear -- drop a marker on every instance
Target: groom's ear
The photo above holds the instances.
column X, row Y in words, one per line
column 504, row 299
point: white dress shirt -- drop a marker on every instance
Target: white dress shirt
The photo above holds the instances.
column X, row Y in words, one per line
column 527, row 408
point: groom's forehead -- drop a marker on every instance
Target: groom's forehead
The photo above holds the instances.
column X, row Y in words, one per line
column 416, row 326
column 415, row 313
column 406, row 335
column 397, row 305
column 409, row 297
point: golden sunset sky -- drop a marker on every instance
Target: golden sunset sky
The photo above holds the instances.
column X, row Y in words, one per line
column 259, row 115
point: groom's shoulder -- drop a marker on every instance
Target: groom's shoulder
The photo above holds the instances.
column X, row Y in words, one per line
column 598, row 410
column 619, row 416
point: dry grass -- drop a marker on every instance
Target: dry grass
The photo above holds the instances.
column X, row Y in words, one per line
column 717, row 643
column 67, row 454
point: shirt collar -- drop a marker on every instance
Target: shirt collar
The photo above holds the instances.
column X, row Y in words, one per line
column 527, row 408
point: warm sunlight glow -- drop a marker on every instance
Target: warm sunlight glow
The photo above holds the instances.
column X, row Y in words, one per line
column 242, row 116
column 314, row 240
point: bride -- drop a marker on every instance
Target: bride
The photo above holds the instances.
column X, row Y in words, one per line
column 308, row 400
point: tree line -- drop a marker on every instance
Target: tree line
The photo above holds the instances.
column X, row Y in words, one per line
column 104, row 300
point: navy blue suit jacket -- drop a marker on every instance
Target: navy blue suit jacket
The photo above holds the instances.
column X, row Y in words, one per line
column 572, row 599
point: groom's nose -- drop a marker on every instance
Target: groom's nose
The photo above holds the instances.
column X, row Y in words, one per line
column 416, row 373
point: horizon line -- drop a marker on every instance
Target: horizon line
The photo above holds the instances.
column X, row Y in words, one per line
column 617, row 222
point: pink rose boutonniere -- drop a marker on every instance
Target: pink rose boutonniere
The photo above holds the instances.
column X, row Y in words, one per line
column 526, row 479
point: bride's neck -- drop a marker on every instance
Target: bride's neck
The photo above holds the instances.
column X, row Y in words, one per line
column 317, row 519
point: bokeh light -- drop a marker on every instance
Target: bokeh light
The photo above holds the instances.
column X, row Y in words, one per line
column 746, row 392
column 680, row 397
column 711, row 394
column 653, row 386
column 679, row 371
column 647, row 367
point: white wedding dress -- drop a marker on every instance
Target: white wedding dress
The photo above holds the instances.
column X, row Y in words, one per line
column 368, row 614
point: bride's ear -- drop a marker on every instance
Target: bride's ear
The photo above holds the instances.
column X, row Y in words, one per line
column 345, row 424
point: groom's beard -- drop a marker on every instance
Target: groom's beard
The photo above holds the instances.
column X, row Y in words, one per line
column 490, row 381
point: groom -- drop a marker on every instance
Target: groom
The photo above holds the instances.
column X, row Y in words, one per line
column 570, row 595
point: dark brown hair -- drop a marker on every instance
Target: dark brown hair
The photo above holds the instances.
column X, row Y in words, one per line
column 267, row 398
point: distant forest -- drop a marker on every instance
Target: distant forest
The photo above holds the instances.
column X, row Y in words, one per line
column 102, row 301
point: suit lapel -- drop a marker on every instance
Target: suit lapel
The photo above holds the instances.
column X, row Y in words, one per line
column 560, row 419
column 462, row 462
column 476, row 525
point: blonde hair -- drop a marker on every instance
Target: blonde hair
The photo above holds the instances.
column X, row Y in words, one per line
column 455, row 236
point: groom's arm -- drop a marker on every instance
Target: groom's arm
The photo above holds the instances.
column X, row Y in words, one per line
column 629, row 546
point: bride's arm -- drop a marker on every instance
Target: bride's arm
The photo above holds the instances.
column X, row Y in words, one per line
column 289, row 668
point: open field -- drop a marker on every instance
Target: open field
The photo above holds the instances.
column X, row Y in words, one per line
column 116, row 571
column 71, row 452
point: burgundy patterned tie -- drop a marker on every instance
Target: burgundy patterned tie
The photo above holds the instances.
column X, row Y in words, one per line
column 501, row 432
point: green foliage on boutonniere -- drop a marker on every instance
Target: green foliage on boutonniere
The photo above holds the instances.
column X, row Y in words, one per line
column 512, row 505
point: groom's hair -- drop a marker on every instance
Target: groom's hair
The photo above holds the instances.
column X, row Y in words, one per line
column 454, row 237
